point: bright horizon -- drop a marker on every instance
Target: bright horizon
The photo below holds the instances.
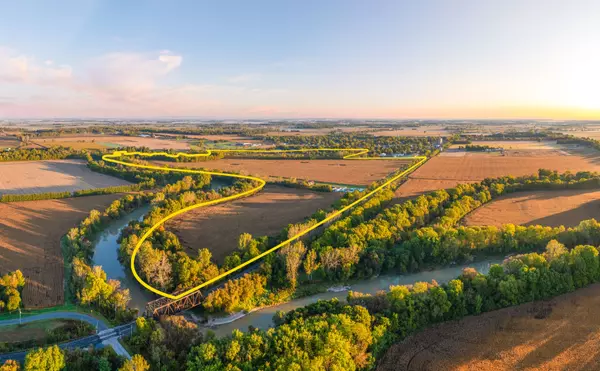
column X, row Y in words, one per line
column 272, row 59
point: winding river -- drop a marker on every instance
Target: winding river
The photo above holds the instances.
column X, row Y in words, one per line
column 106, row 254
column 263, row 318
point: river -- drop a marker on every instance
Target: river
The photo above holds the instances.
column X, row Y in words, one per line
column 263, row 318
column 106, row 254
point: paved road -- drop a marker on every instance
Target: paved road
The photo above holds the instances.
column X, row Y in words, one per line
column 105, row 335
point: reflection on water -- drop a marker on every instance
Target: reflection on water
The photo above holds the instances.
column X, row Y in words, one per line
column 106, row 254
column 263, row 318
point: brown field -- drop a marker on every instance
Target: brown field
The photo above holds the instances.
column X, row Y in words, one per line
column 425, row 131
column 9, row 142
column 329, row 171
column 109, row 141
column 553, row 208
column 265, row 214
column 459, row 167
column 516, row 144
column 30, row 234
column 51, row 176
column 560, row 334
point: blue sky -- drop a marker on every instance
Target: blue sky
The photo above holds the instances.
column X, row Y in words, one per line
column 236, row 59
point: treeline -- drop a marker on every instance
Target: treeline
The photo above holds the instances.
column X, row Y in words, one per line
column 477, row 148
column 56, row 359
column 11, row 285
column 161, row 260
column 35, row 154
column 88, row 284
column 362, row 244
column 69, row 194
column 355, row 335
column 302, row 184
column 376, row 145
column 146, row 179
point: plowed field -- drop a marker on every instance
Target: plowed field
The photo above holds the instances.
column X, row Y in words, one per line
column 265, row 214
column 30, row 234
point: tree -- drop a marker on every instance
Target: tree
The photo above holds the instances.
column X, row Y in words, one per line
column 45, row 359
column 554, row 249
column 310, row 263
column 155, row 266
column 136, row 363
column 10, row 365
column 293, row 257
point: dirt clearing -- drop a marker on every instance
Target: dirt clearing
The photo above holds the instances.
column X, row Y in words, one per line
column 559, row 334
column 353, row 172
column 553, row 208
column 30, row 234
column 265, row 214
column 29, row 177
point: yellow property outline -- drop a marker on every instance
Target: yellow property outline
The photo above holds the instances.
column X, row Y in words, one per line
column 353, row 156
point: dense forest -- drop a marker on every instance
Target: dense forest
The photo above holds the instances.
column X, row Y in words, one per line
column 376, row 145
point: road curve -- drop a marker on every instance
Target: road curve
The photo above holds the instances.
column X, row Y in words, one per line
column 104, row 336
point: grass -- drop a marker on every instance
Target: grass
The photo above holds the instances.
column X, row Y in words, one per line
column 29, row 331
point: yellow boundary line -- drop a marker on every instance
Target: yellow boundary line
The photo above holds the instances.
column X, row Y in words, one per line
column 353, row 156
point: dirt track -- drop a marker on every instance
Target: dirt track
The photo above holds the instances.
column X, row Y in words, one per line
column 561, row 334
column 553, row 208
column 30, row 235
column 265, row 214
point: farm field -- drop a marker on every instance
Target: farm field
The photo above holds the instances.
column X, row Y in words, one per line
column 264, row 214
column 553, row 208
column 353, row 172
column 30, row 234
column 516, row 144
column 452, row 168
column 314, row 132
column 425, row 131
column 560, row 334
column 51, row 176
column 112, row 141
column 9, row 142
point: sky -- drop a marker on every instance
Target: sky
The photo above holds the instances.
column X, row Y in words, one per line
column 300, row 59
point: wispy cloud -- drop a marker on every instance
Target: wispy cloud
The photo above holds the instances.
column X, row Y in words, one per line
column 244, row 78
column 121, row 84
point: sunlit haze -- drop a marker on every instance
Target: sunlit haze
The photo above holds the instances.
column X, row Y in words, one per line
column 296, row 59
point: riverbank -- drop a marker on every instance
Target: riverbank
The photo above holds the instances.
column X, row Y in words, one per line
column 262, row 318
